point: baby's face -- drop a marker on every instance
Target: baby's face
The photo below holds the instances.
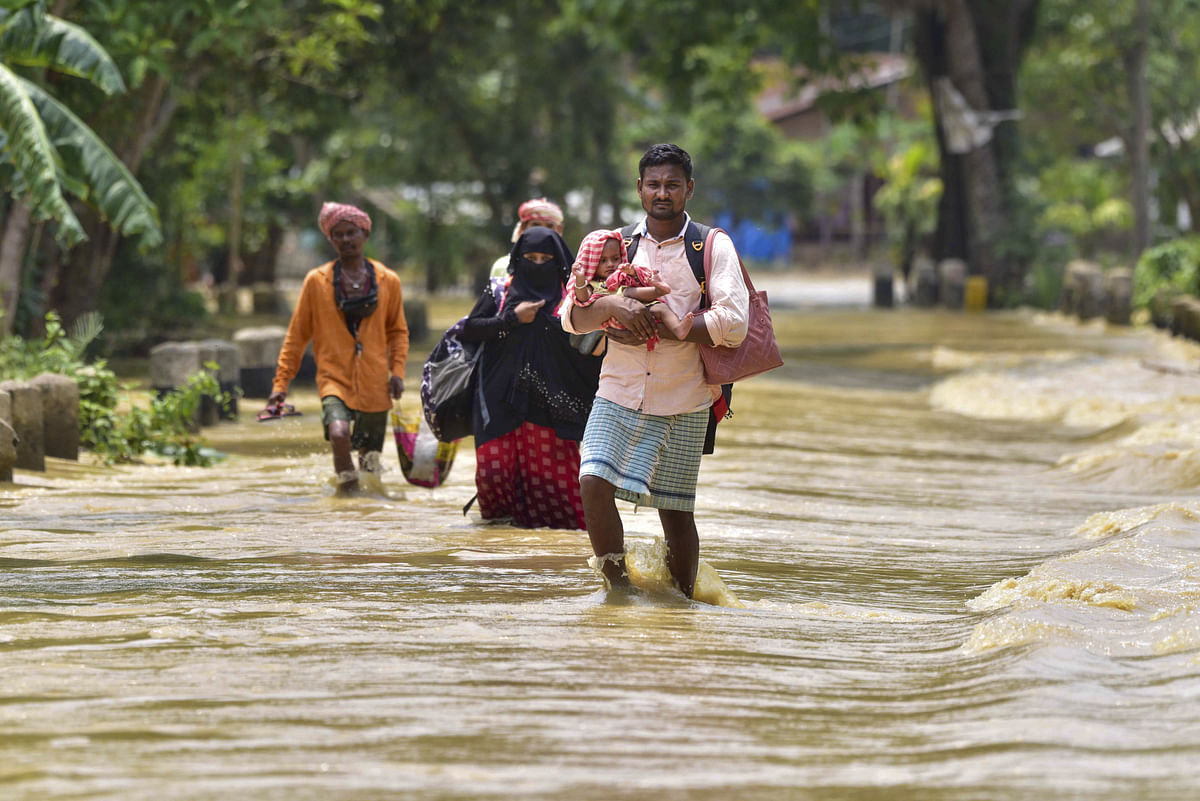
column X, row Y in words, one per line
column 610, row 259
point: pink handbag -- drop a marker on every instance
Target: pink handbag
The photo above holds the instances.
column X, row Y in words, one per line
column 758, row 353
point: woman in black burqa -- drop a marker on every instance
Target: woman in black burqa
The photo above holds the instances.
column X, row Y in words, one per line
column 534, row 391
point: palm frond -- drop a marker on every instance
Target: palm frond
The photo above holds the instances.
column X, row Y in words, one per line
column 111, row 188
column 33, row 155
column 85, row 329
column 16, row 5
column 36, row 40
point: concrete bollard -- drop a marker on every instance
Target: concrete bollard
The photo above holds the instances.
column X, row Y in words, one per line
column 416, row 314
column 883, row 293
column 227, row 299
column 1068, row 301
column 8, row 438
column 1186, row 317
column 1160, row 307
column 923, row 282
column 60, row 415
column 26, row 410
column 172, row 363
column 1178, row 312
column 258, row 353
column 267, row 299
column 975, row 294
column 952, row 280
column 1118, row 295
column 227, row 357
column 1091, row 292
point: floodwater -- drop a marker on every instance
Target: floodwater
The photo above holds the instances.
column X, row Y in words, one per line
column 960, row 556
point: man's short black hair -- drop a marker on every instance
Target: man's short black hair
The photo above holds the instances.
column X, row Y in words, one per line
column 666, row 154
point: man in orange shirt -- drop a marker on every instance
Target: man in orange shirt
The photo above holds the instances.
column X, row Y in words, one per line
column 352, row 310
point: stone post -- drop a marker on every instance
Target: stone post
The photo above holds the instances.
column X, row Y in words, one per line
column 258, row 353
column 1118, row 292
column 26, row 409
column 8, row 438
column 60, row 414
column 1160, row 307
column 1180, row 309
column 1068, row 301
column 1090, row 288
column 1187, row 318
column 172, row 363
column 924, row 282
column 228, row 374
column 883, row 293
column 267, row 299
column 416, row 314
column 952, row 279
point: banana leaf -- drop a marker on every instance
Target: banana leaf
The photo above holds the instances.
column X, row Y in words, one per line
column 32, row 153
column 45, row 41
column 110, row 187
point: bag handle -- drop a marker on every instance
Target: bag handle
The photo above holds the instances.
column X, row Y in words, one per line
column 708, row 251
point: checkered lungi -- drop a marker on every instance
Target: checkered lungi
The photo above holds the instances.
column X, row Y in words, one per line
column 650, row 459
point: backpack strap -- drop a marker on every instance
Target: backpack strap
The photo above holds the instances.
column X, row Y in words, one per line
column 695, row 241
column 631, row 238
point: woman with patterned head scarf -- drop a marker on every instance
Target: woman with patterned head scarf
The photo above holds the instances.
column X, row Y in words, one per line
column 534, row 391
column 536, row 212
column 352, row 310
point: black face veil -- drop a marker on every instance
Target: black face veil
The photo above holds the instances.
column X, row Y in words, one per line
column 544, row 281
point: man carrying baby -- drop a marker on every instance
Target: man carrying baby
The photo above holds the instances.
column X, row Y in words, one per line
column 646, row 431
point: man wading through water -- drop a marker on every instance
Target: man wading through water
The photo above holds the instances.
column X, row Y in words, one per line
column 647, row 427
column 353, row 312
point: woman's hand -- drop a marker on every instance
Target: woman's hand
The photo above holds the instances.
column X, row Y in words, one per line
column 527, row 309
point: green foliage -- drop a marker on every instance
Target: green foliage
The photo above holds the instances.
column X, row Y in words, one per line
column 440, row 118
column 1173, row 265
column 45, row 41
column 1076, row 94
column 49, row 148
column 743, row 165
column 167, row 427
column 908, row 200
column 162, row 308
column 1077, row 209
column 104, row 181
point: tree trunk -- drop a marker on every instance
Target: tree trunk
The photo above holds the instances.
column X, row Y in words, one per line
column 1140, row 144
column 12, row 256
column 977, row 47
column 985, row 216
column 237, row 186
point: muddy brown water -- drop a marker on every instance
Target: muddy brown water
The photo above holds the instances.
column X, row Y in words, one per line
column 961, row 555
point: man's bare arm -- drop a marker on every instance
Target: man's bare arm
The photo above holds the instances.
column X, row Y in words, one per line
column 626, row 311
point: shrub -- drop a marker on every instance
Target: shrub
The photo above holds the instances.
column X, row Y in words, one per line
column 1174, row 265
column 167, row 427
